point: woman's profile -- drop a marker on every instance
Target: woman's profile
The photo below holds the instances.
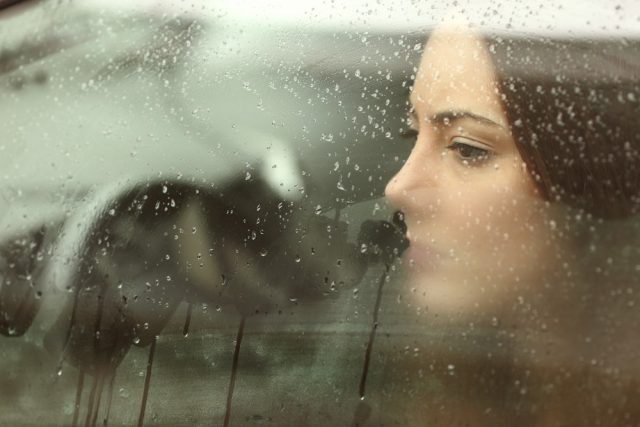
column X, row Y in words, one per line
column 519, row 198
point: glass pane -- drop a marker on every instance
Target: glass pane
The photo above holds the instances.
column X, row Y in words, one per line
column 316, row 213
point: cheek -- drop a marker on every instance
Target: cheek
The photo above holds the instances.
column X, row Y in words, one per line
column 494, row 233
column 499, row 225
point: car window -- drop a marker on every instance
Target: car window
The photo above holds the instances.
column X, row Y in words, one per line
column 308, row 213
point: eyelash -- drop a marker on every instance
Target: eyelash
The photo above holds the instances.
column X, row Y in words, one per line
column 470, row 155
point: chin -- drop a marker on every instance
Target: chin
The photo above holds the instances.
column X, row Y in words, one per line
column 449, row 295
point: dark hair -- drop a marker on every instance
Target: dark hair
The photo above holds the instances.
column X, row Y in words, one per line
column 574, row 110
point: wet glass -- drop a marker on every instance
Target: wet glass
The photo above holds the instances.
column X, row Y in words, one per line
column 304, row 214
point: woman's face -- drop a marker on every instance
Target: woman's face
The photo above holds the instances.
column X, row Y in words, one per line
column 480, row 236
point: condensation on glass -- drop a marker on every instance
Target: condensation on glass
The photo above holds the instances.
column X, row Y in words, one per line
column 314, row 214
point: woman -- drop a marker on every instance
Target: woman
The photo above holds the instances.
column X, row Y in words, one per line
column 525, row 150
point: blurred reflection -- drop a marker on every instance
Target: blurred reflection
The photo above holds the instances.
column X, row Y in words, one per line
column 122, row 266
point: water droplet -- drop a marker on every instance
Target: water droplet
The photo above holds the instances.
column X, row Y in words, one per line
column 263, row 252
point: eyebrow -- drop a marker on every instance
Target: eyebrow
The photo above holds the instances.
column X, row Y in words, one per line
column 453, row 115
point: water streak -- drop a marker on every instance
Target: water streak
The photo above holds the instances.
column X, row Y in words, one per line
column 76, row 408
column 234, row 370
column 109, row 398
column 100, row 388
column 92, row 398
column 187, row 321
column 147, row 380
column 372, row 334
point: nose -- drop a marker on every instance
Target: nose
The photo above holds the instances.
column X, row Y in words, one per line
column 418, row 174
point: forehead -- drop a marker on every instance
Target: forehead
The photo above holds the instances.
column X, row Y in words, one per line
column 456, row 73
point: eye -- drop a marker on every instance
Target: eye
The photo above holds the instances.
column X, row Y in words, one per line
column 468, row 152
